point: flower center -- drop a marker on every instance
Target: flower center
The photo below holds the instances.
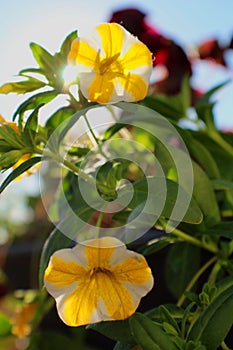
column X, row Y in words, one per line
column 97, row 270
column 110, row 64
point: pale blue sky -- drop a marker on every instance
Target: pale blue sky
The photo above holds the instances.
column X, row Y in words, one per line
column 48, row 22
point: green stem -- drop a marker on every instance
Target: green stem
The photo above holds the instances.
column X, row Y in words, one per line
column 224, row 346
column 68, row 164
column 214, row 274
column 98, row 224
column 195, row 279
column 220, row 140
column 90, row 129
column 98, row 144
column 187, row 238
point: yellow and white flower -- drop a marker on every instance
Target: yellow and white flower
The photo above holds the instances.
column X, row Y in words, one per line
column 98, row 280
column 114, row 67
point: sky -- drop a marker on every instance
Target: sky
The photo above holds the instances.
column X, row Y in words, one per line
column 48, row 22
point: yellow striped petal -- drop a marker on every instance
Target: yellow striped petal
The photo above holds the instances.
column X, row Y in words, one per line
column 62, row 273
column 100, row 90
column 112, row 37
column 135, row 88
column 83, row 53
column 138, row 55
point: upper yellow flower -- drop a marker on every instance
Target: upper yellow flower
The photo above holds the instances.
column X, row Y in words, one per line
column 97, row 280
column 114, row 67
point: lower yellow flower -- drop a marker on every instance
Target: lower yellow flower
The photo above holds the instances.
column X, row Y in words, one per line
column 98, row 280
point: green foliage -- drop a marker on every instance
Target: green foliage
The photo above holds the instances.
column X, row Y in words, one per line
column 209, row 326
column 22, row 168
column 22, row 87
column 178, row 273
column 119, row 330
column 173, row 107
column 186, row 195
column 149, row 335
column 5, row 325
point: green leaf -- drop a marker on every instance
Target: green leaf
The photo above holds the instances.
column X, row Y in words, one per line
column 200, row 153
column 171, row 106
column 204, row 107
column 117, row 330
column 223, row 229
column 66, row 45
column 24, row 72
column 149, row 335
column 58, row 118
column 19, row 170
column 167, row 316
column 10, row 158
column 205, row 99
column 44, row 59
column 214, row 323
column 176, row 312
column 11, row 137
column 203, row 192
column 5, row 325
column 57, row 240
column 34, row 101
column 22, row 87
column 221, row 184
column 178, row 273
column 193, row 213
column 32, row 121
column 155, row 247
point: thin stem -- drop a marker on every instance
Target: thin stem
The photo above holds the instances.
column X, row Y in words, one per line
column 224, row 346
column 90, row 129
column 98, row 224
column 98, row 144
column 192, row 240
column 214, row 274
column 220, row 140
column 187, row 238
column 124, row 131
column 68, row 164
column 195, row 279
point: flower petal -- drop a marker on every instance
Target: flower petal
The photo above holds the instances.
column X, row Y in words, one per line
column 112, row 37
column 135, row 88
column 82, row 52
column 102, row 298
column 96, row 87
column 66, row 268
column 137, row 55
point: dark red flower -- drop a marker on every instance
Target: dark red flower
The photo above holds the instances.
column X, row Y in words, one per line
column 212, row 50
column 165, row 50
column 231, row 44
